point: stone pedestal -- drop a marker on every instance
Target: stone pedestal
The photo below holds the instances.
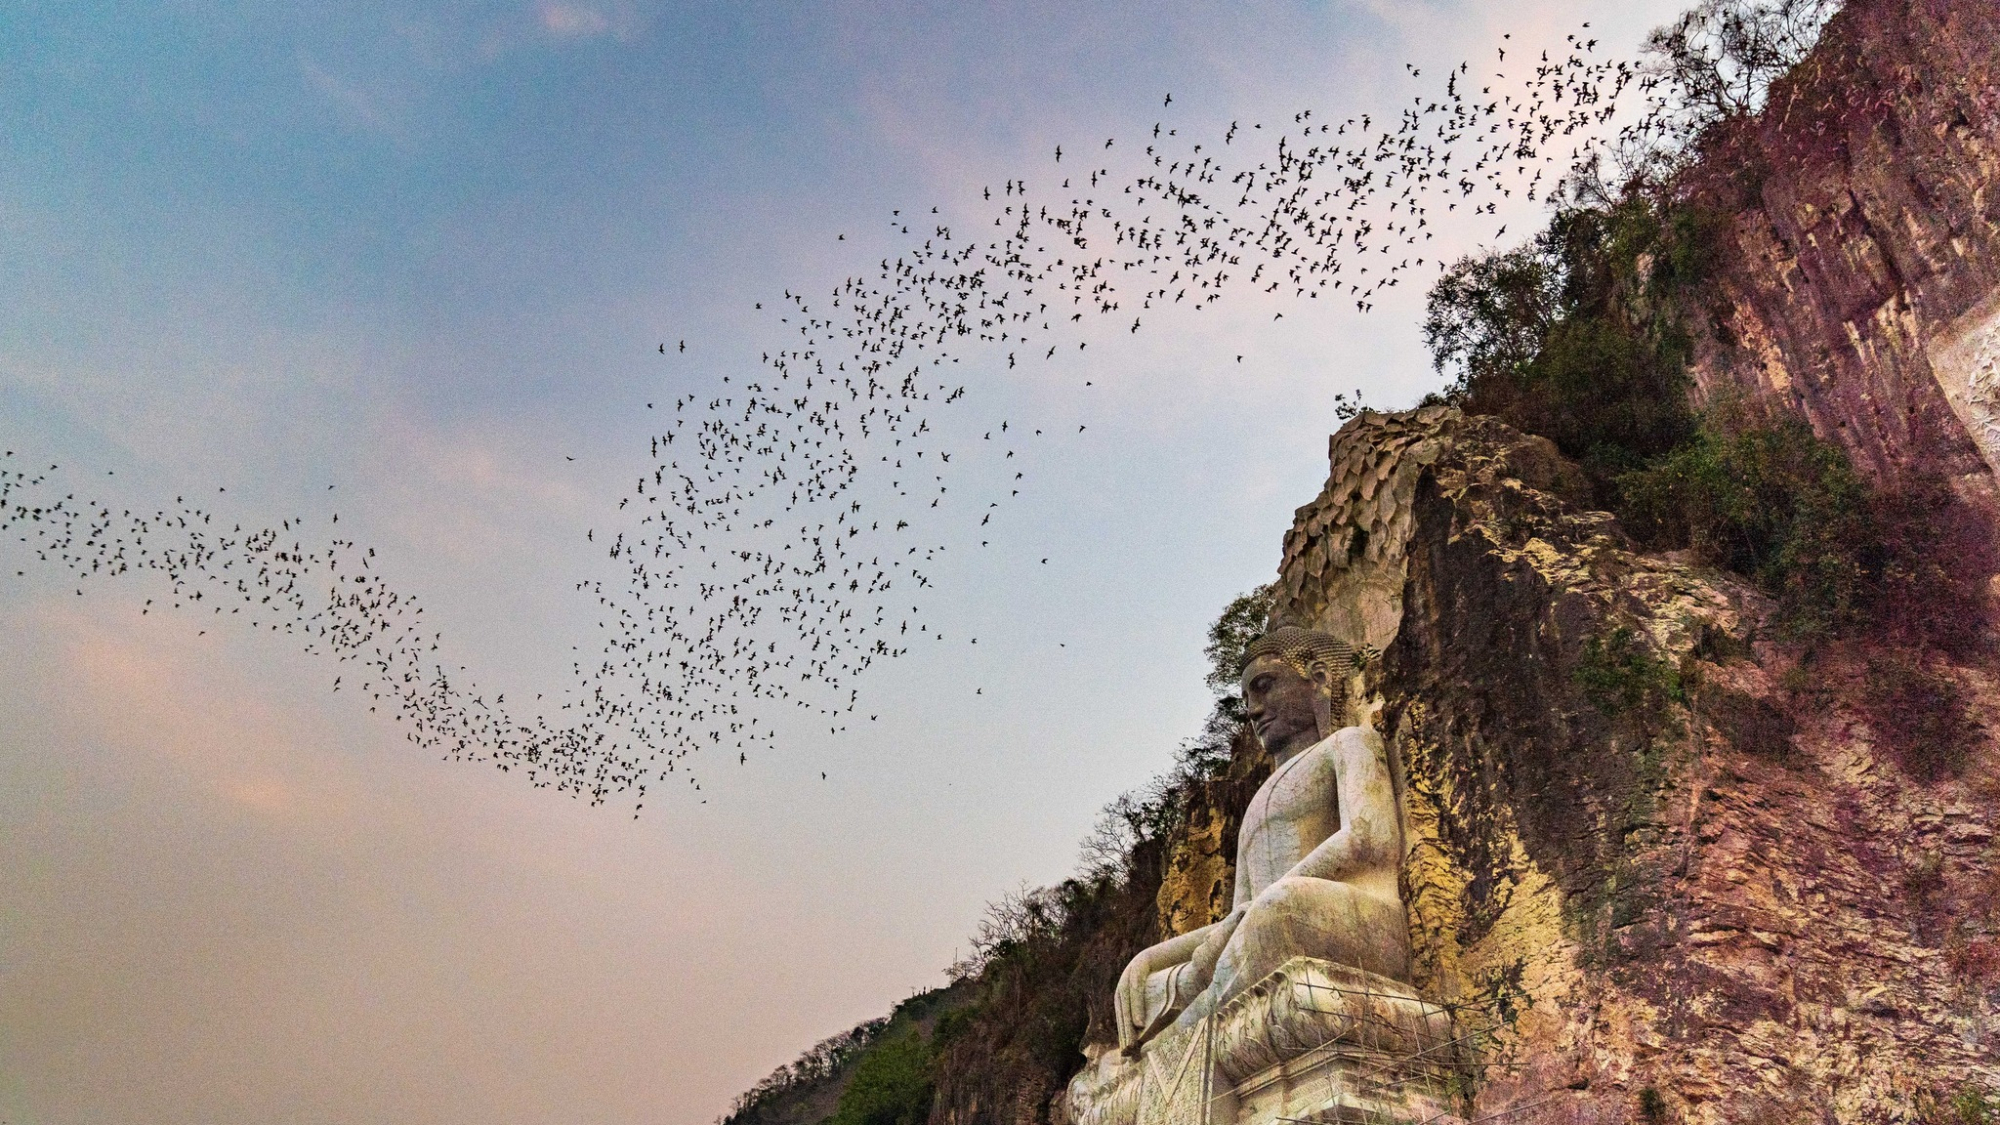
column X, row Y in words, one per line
column 1312, row 1042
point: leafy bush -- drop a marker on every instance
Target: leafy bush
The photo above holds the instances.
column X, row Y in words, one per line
column 1577, row 336
column 1488, row 317
column 1769, row 501
column 1968, row 1105
column 951, row 1025
column 1775, row 503
column 1920, row 714
column 1621, row 677
column 1584, row 336
column 1972, row 1107
column 766, row 1100
column 1241, row 622
column 891, row 1084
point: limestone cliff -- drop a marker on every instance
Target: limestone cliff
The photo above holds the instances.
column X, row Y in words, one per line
column 1663, row 868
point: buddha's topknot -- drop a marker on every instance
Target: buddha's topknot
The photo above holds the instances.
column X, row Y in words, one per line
column 1302, row 649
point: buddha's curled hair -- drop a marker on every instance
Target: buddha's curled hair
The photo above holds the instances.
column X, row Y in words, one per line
column 1303, row 648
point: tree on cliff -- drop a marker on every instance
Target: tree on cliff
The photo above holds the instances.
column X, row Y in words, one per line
column 1719, row 58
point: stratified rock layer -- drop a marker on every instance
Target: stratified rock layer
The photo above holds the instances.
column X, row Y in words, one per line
column 1861, row 275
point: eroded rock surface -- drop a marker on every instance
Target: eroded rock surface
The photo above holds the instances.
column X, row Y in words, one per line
column 1645, row 851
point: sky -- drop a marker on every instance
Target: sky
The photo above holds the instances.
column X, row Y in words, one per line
column 412, row 263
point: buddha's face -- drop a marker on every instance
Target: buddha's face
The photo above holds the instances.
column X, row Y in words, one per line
column 1281, row 705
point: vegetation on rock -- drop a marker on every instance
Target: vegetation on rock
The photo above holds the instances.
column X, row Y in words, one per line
column 891, row 1083
column 1586, row 336
column 1577, row 336
column 879, row 1057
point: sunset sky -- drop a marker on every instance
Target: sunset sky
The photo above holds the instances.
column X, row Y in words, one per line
column 425, row 254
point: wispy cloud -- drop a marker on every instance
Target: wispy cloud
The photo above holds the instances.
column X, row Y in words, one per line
column 553, row 23
column 573, row 21
column 356, row 105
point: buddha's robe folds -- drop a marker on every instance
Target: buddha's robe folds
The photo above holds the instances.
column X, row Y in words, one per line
column 1316, row 862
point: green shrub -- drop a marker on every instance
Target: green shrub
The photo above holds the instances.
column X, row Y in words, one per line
column 891, row 1084
column 1771, row 501
column 953, row 1024
column 1968, row 1105
column 1621, row 677
column 1488, row 316
column 1972, row 1107
column 1584, row 336
column 1241, row 622
column 1578, row 336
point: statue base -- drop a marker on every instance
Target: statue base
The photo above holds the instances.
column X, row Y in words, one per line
column 1312, row 1042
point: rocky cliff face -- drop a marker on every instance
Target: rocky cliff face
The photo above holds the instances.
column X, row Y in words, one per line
column 1861, row 279
column 1667, row 872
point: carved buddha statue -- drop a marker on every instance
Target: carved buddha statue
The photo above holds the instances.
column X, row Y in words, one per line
column 1316, row 856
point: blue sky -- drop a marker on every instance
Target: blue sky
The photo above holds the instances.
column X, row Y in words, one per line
column 425, row 254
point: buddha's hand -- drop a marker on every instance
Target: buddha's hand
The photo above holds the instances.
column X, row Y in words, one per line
column 1133, row 1002
column 1129, row 1001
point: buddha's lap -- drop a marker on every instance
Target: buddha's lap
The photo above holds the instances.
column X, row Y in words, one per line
column 1305, row 917
column 1297, row 917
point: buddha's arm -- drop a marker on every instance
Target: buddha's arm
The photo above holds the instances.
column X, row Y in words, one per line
column 1210, row 950
column 1365, row 843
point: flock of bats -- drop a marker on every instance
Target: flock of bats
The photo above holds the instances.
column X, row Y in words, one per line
column 772, row 549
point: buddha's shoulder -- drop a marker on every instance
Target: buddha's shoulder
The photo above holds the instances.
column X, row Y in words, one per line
column 1351, row 741
column 1325, row 756
column 1322, row 755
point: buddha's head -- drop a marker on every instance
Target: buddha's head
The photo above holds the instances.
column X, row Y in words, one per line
column 1295, row 688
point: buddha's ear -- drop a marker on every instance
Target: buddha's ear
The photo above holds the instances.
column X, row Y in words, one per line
column 1324, row 685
